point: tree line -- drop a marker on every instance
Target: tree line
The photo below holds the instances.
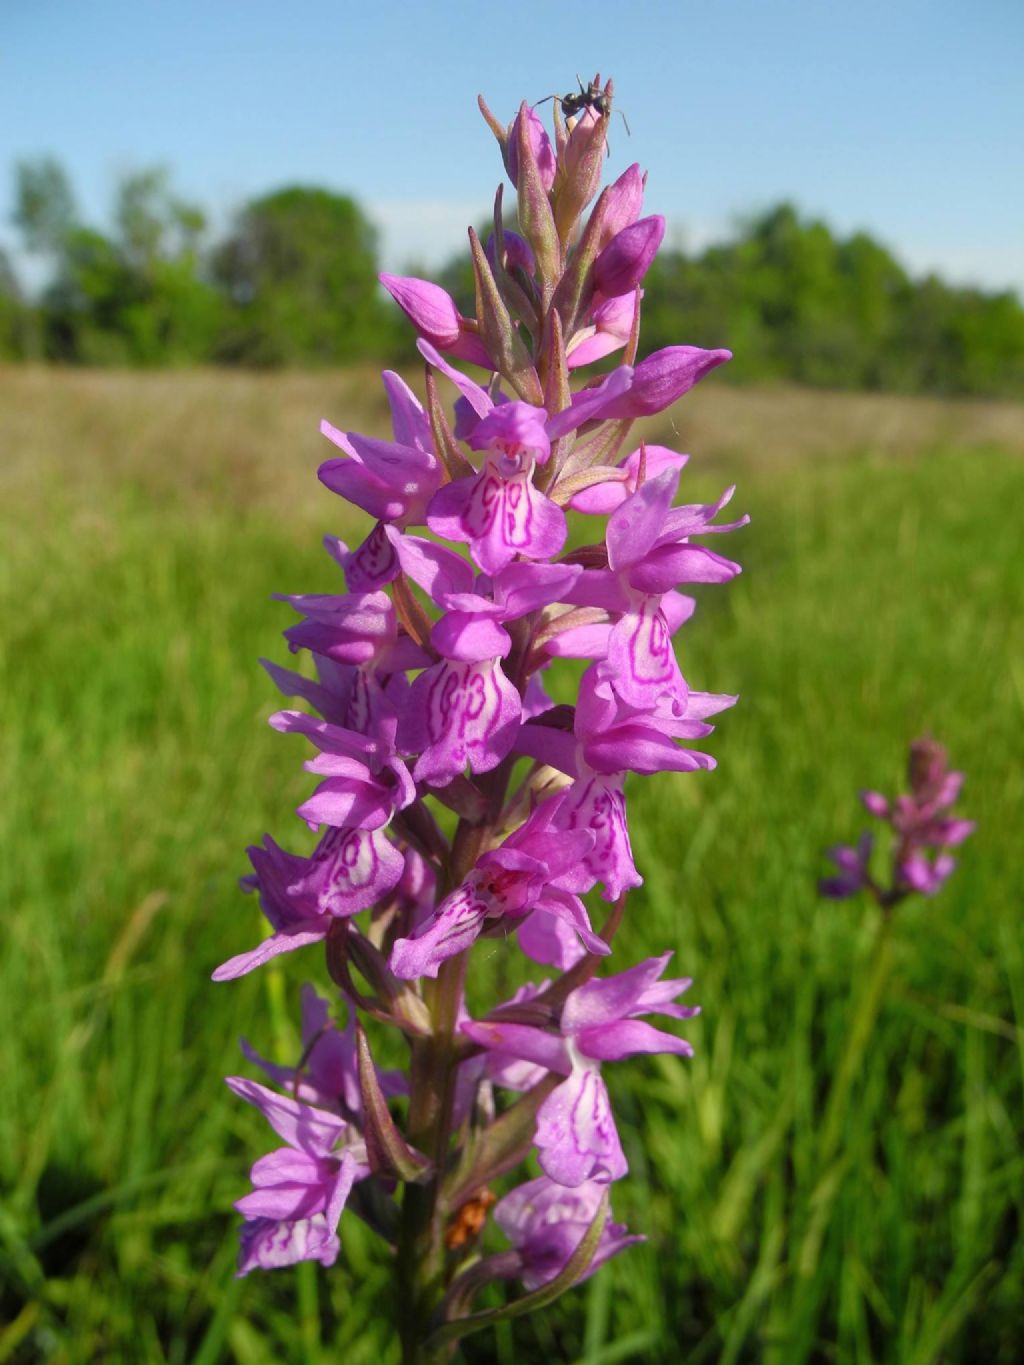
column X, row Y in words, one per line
column 292, row 282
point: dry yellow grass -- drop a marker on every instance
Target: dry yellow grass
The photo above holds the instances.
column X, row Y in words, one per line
column 251, row 439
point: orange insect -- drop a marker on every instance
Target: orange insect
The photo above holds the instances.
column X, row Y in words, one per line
column 468, row 1221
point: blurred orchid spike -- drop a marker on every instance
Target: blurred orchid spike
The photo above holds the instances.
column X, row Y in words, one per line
column 923, row 832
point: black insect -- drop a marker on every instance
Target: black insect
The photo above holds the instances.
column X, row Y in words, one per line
column 591, row 96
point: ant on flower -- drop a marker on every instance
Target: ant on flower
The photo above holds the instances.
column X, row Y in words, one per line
column 591, row 96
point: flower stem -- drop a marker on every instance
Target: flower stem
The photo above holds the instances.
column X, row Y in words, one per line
column 857, row 1039
column 421, row 1249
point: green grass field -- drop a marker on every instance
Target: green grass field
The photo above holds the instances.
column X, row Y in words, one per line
column 145, row 523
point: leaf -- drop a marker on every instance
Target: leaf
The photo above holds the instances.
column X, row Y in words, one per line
column 463, row 797
column 557, row 390
column 600, row 449
column 567, row 488
column 502, row 1145
column 492, row 123
column 389, row 1153
column 410, row 613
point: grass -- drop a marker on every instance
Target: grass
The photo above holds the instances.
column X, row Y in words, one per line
column 147, row 520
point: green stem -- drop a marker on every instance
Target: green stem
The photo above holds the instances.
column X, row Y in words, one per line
column 421, row 1249
column 857, row 1039
column 422, row 1268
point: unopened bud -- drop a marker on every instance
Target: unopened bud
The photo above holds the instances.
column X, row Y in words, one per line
column 627, row 257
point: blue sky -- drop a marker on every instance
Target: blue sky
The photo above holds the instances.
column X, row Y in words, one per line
column 905, row 117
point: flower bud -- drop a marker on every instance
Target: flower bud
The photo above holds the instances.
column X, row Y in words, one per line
column 580, row 169
column 533, row 184
column 543, row 152
column 434, row 314
column 517, row 253
column 626, row 259
column 662, row 378
column 926, row 766
column 430, row 309
column 623, row 202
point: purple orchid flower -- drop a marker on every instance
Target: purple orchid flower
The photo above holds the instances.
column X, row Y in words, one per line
column 923, row 833
column 576, row 1137
column 351, row 628
column 328, row 1077
column 920, row 821
column 649, row 552
column 601, row 499
column 365, row 781
column 360, row 697
column 663, row 378
column 853, row 869
column 436, row 317
column 518, row 885
column 463, row 710
column 361, row 657
column 499, row 512
column 512, row 1073
column 459, row 714
column 299, row 1190
column 350, row 870
column 610, row 322
column 391, row 480
column 610, row 739
column 456, row 800
column 546, row 1221
column 477, row 607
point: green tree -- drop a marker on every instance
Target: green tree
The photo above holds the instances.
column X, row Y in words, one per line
column 172, row 313
column 300, row 273
column 14, row 314
column 44, row 204
column 796, row 302
column 138, row 296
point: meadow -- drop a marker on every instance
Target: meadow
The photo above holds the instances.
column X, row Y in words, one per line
column 824, row 1182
